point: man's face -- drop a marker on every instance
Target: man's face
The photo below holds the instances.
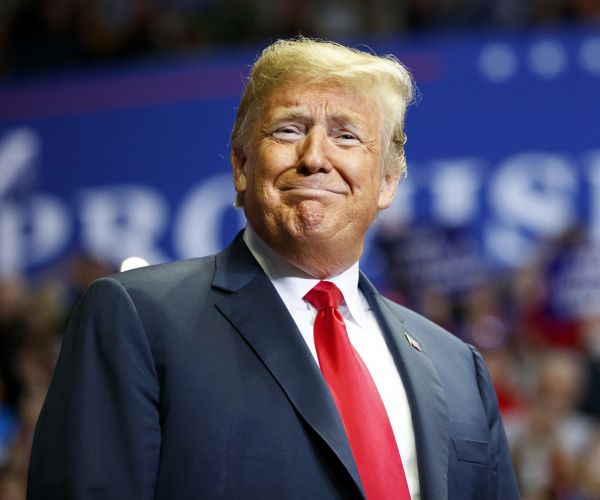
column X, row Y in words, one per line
column 311, row 172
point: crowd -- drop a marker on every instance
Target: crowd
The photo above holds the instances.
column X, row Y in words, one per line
column 41, row 35
column 32, row 318
column 538, row 328
column 544, row 358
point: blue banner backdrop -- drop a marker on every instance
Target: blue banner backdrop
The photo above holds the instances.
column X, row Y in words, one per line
column 503, row 143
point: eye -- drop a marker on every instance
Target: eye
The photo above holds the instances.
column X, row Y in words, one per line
column 345, row 137
column 287, row 133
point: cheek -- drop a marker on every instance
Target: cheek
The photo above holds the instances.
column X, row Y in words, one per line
column 262, row 176
column 273, row 162
column 364, row 174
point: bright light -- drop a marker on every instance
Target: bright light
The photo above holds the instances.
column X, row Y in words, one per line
column 133, row 263
column 498, row 62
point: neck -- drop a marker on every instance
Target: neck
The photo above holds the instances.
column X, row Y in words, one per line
column 320, row 261
column 315, row 258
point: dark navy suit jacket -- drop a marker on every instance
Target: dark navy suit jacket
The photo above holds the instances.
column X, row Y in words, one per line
column 190, row 380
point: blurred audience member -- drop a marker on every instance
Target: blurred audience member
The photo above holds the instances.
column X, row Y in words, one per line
column 12, row 486
column 589, row 471
column 553, row 437
column 590, row 401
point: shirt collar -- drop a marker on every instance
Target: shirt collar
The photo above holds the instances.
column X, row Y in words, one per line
column 292, row 283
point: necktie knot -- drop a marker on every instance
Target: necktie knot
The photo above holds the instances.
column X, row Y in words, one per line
column 323, row 295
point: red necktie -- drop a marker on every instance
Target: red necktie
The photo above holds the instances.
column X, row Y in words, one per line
column 359, row 403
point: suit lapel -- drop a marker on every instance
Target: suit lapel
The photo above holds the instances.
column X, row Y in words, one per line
column 425, row 393
column 256, row 311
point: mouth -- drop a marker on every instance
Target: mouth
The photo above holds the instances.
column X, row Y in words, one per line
column 311, row 189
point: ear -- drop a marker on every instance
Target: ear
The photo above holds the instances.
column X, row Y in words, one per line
column 238, row 164
column 387, row 190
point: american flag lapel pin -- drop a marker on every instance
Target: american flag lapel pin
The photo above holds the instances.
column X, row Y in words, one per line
column 413, row 342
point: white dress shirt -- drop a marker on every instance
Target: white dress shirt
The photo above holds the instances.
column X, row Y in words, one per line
column 363, row 331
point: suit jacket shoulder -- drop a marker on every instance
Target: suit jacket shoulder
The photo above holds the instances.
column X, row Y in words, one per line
column 415, row 321
column 477, row 442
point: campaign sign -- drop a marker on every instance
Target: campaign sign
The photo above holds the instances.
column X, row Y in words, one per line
column 133, row 160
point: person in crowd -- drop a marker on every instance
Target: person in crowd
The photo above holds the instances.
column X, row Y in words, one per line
column 549, row 444
column 274, row 369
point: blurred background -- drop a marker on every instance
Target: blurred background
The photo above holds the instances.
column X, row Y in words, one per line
column 114, row 124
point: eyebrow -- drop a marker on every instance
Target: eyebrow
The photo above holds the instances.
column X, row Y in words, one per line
column 298, row 113
column 288, row 114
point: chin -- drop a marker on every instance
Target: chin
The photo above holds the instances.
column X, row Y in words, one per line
column 307, row 232
column 312, row 216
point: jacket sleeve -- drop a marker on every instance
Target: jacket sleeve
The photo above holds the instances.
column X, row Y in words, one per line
column 504, row 482
column 98, row 435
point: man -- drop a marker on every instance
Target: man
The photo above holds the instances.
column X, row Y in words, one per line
column 274, row 369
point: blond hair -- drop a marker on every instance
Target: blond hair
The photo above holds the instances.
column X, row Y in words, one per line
column 314, row 61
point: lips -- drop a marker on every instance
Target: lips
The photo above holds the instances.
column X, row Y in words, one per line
column 312, row 187
column 312, row 191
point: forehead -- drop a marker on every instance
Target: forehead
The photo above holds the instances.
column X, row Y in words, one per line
column 330, row 99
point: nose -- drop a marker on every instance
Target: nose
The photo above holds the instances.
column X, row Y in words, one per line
column 313, row 152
